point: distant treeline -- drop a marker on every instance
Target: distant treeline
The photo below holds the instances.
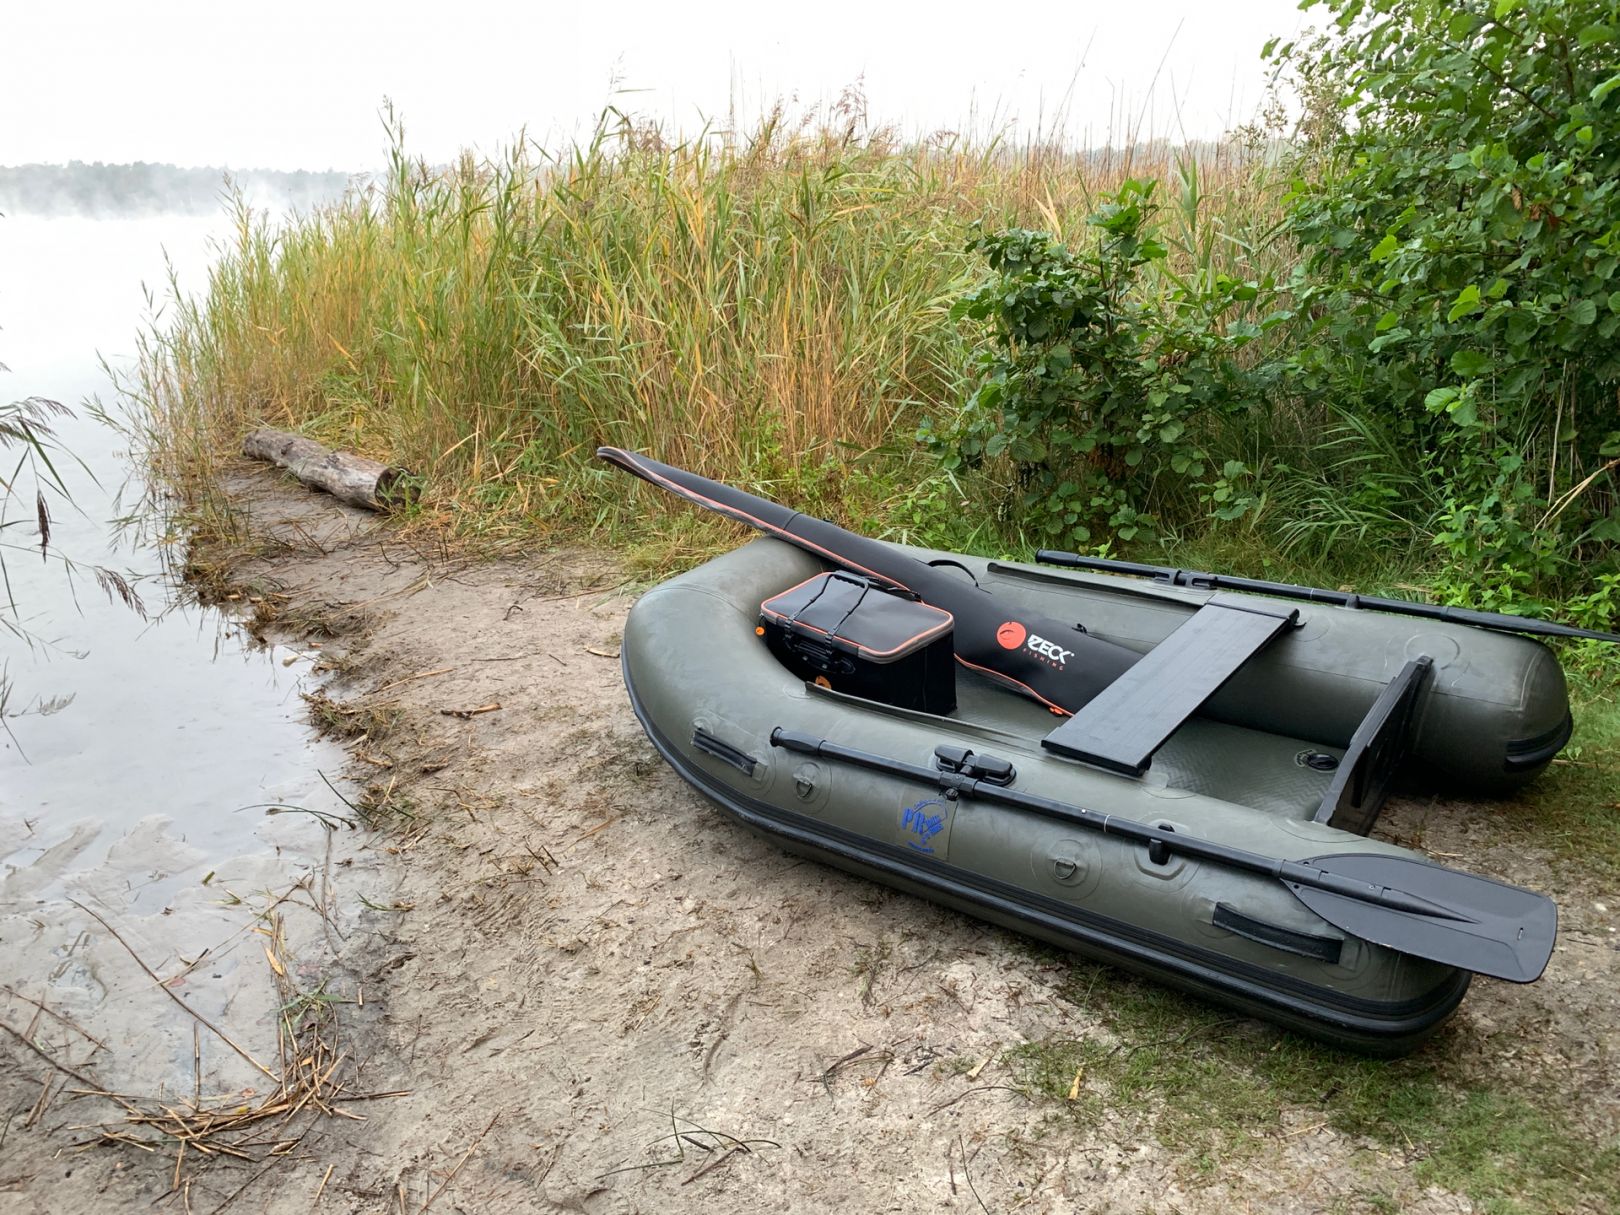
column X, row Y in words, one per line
column 99, row 189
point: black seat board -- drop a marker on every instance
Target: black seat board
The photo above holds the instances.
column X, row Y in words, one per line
column 1130, row 719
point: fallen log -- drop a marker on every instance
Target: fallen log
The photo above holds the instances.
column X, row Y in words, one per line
column 349, row 478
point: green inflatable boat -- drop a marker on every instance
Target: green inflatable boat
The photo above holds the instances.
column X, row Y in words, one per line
column 1176, row 779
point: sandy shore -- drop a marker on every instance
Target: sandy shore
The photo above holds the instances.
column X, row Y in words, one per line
column 602, row 996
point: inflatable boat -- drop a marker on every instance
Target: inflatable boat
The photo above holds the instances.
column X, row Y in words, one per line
column 1176, row 779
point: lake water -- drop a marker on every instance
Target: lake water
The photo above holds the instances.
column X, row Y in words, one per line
column 179, row 718
column 142, row 794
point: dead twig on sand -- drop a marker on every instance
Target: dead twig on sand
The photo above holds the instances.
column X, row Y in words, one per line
column 61, row 1067
column 983, row 1088
column 969, row 1176
column 388, row 687
column 168, row 991
column 861, row 1054
column 309, row 1081
column 467, row 714
column 54, row 1015
column 445, row 1184
column 727, row 1145
column 590, row 590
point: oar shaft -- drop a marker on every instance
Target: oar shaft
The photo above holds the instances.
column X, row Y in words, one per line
column 1473, row 617
column 1384, row 896
column 1459, row 919
column 1109, row 824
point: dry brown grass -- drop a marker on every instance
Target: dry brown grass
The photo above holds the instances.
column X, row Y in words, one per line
column 769, row 306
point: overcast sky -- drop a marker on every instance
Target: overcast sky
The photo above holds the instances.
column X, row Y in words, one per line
column 296, row 84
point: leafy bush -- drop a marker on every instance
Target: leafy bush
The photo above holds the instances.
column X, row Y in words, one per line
column 1448, row 376
column 1092, row 391
column 1460, row 249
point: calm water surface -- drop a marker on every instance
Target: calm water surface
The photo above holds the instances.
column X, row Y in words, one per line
column 172, row 726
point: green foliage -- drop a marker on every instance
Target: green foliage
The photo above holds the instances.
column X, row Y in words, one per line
column 1460, row 244
column 1441, row 379
column 1093, row 393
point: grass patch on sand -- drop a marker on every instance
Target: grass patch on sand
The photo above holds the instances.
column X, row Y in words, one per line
column 1212, row 1087
column 1574, row 806
column 352, row 719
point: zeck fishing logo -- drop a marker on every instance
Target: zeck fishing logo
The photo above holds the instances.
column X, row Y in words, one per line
column 1012, row 635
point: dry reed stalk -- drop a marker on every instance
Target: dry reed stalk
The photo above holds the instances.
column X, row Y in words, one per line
column 168, row 991
column 310, row 1078
column 757, row 304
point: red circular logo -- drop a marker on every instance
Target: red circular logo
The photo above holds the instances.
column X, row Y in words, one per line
column 1011, row 635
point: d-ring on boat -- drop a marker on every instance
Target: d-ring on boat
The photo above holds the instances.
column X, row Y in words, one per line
column 1169, row 777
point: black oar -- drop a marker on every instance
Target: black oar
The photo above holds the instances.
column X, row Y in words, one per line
column 1498, row 621
column 1417, row 908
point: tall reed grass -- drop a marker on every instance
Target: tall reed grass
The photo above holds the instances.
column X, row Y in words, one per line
column 770, row 307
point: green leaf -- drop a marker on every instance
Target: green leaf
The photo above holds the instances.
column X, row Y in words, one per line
column 1603, row 90
column 1584, row 312
column 1387, row 321
column 1027, row 449
column 1384, row 248
column 1467, row 301
column 1470, row 363
column 1440, row 398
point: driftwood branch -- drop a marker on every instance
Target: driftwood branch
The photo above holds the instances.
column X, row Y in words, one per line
column 349, row 478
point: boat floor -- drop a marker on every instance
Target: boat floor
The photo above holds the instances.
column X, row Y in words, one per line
column 1249, row 767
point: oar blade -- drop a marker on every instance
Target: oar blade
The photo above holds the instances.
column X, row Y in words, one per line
column 1479, row 924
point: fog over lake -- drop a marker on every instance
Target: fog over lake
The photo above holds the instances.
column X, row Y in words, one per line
column 299, row 86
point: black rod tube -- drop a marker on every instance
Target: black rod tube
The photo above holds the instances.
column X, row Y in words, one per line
column 1498, row 621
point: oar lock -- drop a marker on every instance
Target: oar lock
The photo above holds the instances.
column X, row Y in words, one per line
column 991, row 769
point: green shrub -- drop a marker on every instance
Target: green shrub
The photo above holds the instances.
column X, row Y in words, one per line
column 1460, row 241
column 1093, row 392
